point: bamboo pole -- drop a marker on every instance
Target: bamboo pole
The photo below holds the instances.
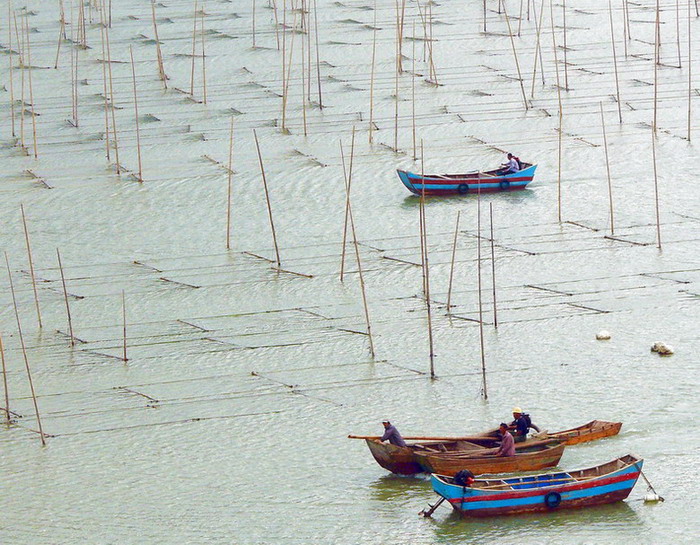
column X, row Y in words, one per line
column 31, row 266
column 124, row 357
column 520, row 17
column 413, row 88
column 228, row 193
column 556, row 64
column 357, row 247
column 285, row 91
column 617, row 80
column 484, row 15
column 515, row 56
column 267, row 198
column 371, row 77
column 396, row 80
column 31, row 89
column 204, row 61
column 277, row 23
column 607, row 167
column 65, row 298
column 8, row 420
column 253, row 22
column 194, row 44
column 481, row 308
column 111, row 87
column 690, row 70
column 24, row 353
column 136, row 110
column 538, row 49
column 566, row 64
column 20, row 43
column 159, row 53
column 656, row 190
column 303, row 73
column 12, row 86
column 493, row 268
column 61, row 35
column 347, row 214
column 678, row 32
column 656, row 65
column 426, row 268
column 452, row 263
column 104, row 84
column 318, row 61
column 624, row 26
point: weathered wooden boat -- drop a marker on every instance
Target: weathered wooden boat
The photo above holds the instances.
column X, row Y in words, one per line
column 472, row 182
column 606, row 483
column 402, row 460
column 528, row 458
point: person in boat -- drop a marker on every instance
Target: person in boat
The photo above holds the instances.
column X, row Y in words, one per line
column 507, row 447
column 392, row 435
column 464, row 478
column 511, row 166
column 521, row 425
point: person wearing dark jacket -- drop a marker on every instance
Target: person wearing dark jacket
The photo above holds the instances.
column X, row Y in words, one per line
column 392, row 435
column 521, row 425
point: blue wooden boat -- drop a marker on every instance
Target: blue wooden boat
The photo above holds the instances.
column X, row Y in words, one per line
column 472, row 182
column 606, row 483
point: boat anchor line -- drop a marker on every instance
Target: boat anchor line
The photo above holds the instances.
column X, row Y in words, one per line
column 130, row 391
column 294, row 389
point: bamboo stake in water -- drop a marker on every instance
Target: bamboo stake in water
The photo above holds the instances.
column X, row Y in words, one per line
column 413, row 88
column 481, row 308
column 624, row 26
column 65, row 297
column 204, row 62
column 397, row 68
column 61, row 34
column 617, row 81
column 111, row 89
column 267, row 198
column 20, row 44
column 194, row 44
column 656, row 64
column 228, row 197
column 426, row 268
column 452, row 263
column 31, row 265
column 8, row 420
column 656, row 190
column 371, row 78
column 566, row 64
column 24, row 352
column 31, row 91
column 356, row 245
column 556, row 64
column 136, row 110
column 538, row 50
column 12, row 86
column 253, row 22
column 493, row 268
column 515, row 56
column 347, row 214
column 690, row 70
column 318, row 62
column 678, row 32
column 607, row 167
column 159, row 53
column 124, row 358
column 104, row 84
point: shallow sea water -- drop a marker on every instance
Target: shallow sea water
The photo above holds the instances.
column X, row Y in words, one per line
column 228, row 422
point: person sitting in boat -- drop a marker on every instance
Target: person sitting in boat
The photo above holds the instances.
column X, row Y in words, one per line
column 392, row 435
column 507, row 447
column 521, row 425
column 511, row 166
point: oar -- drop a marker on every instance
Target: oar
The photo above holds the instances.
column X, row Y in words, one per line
column 420, row 438
column 430, row 511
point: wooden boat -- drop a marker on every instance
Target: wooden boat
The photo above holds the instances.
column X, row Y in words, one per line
column 606, row 483
column 402, row 460
column 529, row 458
column 472, row 182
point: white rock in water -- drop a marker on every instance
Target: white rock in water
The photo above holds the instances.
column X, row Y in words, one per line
column 662, row 348
column 603, row 335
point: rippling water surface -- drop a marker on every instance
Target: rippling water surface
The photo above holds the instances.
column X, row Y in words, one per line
column 228, row 422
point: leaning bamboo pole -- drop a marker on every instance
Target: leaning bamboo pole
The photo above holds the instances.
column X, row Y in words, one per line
column 111, row 90
column 136, row 111
column 318, row 57
column 371, row 77
column 124, row 357
column 607, row 167
column 24, row 352
column 357, row 247
column 31, row 89
column 267, row 198
column 556, row 65
column 617, row 80
column 194, row 45
column 656, row 190
column 12, row 86
column 347, row 215
column 515, row 56
column 8, row 420
column 690, row 70
column 159, row 53
column 493, row 268
column 426, row 272
column 452, row 263
column 481, row 308
column 31, row 266
column 228, row 192
column 104, row 85
column 538, row 49
column 65, row 297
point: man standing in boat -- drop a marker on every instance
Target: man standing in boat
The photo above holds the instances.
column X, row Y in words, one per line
column 392, row 435
column 521, row 425
column 511, row 166
column 507, row 447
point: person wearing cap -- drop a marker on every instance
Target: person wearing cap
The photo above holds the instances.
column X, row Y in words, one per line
column 521, row 425
column 392, row 435
column 507, row 447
